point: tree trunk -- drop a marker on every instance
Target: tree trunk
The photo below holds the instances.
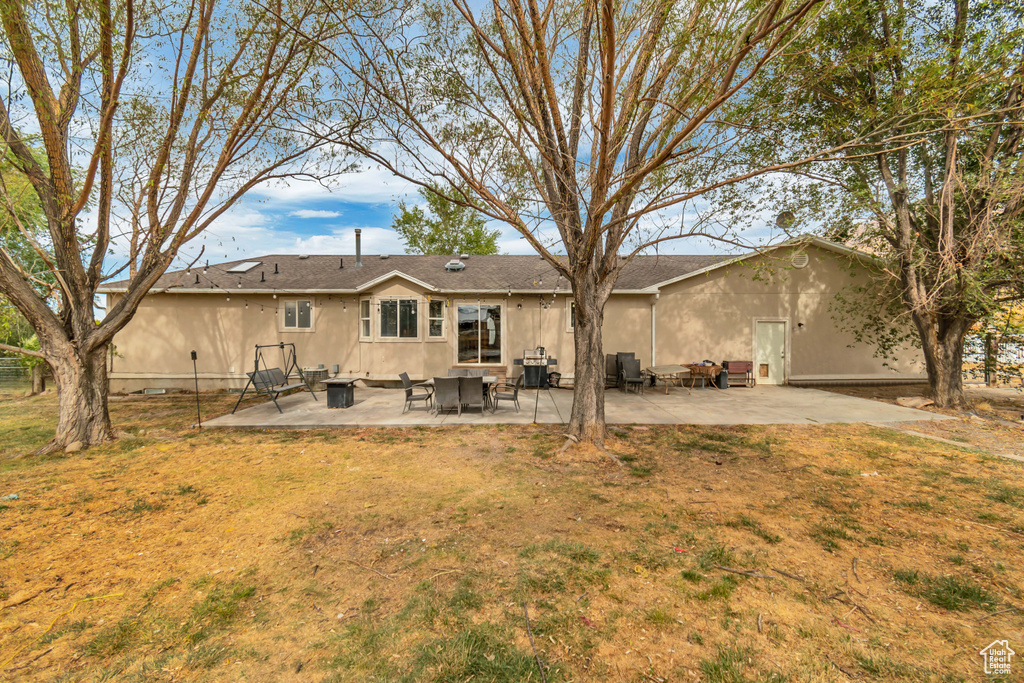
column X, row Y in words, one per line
column 943, row 346
column 586, row 422
column 82, row 415
column 38, row 379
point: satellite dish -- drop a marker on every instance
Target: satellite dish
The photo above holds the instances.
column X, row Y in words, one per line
column 786, row 219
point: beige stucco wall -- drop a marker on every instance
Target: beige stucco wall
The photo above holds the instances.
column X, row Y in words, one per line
column 707, row 316
column 153, row 350
column 713, row 316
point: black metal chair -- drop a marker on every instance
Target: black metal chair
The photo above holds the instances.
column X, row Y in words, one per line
column 411, row 396
column 620, row 360
column 632, row 376
column 471, row 392
column 507, row 391
column 611, row 370
column 446, row 394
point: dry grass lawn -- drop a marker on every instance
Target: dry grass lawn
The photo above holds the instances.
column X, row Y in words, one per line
column 410, row 554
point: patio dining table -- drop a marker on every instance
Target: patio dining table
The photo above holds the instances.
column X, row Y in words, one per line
column 669, row 374
column 489, row 381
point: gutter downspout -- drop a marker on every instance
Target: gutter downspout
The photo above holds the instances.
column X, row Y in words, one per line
column 654, row 319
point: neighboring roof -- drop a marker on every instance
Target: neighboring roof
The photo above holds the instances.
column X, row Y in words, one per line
column 520, row 274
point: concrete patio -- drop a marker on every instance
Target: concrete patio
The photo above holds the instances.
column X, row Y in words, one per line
column 760, row 405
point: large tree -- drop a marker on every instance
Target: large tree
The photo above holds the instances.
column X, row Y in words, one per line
column 172, row 112
column 586, row 125
column 446, row 227
column 935, row 90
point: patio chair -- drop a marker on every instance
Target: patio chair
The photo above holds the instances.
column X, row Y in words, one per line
column 471, row 392
column 611, row 370
column 458, row 372
column 620, row 359
column 446, row 394
column 411, row 395
column 632, row 376
column 507, row 391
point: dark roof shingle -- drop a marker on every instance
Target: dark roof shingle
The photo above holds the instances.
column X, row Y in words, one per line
column 481, row 274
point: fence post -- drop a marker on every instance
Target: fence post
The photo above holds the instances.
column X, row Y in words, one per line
column 991, row 359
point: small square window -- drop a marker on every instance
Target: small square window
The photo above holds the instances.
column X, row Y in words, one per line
column 298, row 315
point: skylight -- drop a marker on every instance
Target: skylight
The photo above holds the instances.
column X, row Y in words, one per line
column 244, row 267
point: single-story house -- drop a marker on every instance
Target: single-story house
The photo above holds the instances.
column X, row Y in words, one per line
column 375, row 316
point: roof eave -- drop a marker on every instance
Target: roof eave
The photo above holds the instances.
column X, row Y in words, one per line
column 796, row 241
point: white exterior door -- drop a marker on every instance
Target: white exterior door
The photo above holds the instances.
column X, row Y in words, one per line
column 770, row 364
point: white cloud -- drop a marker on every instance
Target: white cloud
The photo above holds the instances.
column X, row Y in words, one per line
column 314, row 213
column 367, row 186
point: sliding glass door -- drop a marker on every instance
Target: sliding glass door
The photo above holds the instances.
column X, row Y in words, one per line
column 480, row 333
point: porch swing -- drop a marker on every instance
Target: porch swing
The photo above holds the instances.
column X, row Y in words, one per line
column 273, row 382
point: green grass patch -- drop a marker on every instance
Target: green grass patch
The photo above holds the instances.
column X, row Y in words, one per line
column 658, row 617
column 123, row 635
column 1002, row 492
column 719, row 591
column 731, row 665
column 712, row 555
column 829, row 534
column 477, row 653
column 218, row 609
column 641, row 471
column 754, row 527
column 954, row 593
column 8, row 547
column 691, row 576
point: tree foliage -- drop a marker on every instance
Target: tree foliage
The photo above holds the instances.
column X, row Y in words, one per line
column 172, row 112
column 935, row 189
column 446, row 227
column 21, row 226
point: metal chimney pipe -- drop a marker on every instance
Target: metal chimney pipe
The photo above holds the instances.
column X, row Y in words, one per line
column 359, row 248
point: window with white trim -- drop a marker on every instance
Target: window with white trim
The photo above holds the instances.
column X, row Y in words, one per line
column 399, row 319
column 435, row 319
column 298, row 314
column 364, row 319
column 570, row 317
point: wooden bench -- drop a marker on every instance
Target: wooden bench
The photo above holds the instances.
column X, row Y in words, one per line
column 273, row 383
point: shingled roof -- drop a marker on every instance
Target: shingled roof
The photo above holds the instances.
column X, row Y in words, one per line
column 294, row 273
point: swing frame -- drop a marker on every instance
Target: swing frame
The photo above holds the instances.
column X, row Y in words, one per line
column 273, row 382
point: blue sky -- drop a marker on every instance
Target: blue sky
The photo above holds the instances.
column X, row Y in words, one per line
column 304, row 217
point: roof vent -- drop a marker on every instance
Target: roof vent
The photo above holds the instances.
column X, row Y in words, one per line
column 463, row 256
column 801, row 259
column 384, row 256
column 243, row 267
column 454, row 265
column 303, row 256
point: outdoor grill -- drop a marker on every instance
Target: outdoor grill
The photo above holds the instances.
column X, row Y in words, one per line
column 535, row 364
